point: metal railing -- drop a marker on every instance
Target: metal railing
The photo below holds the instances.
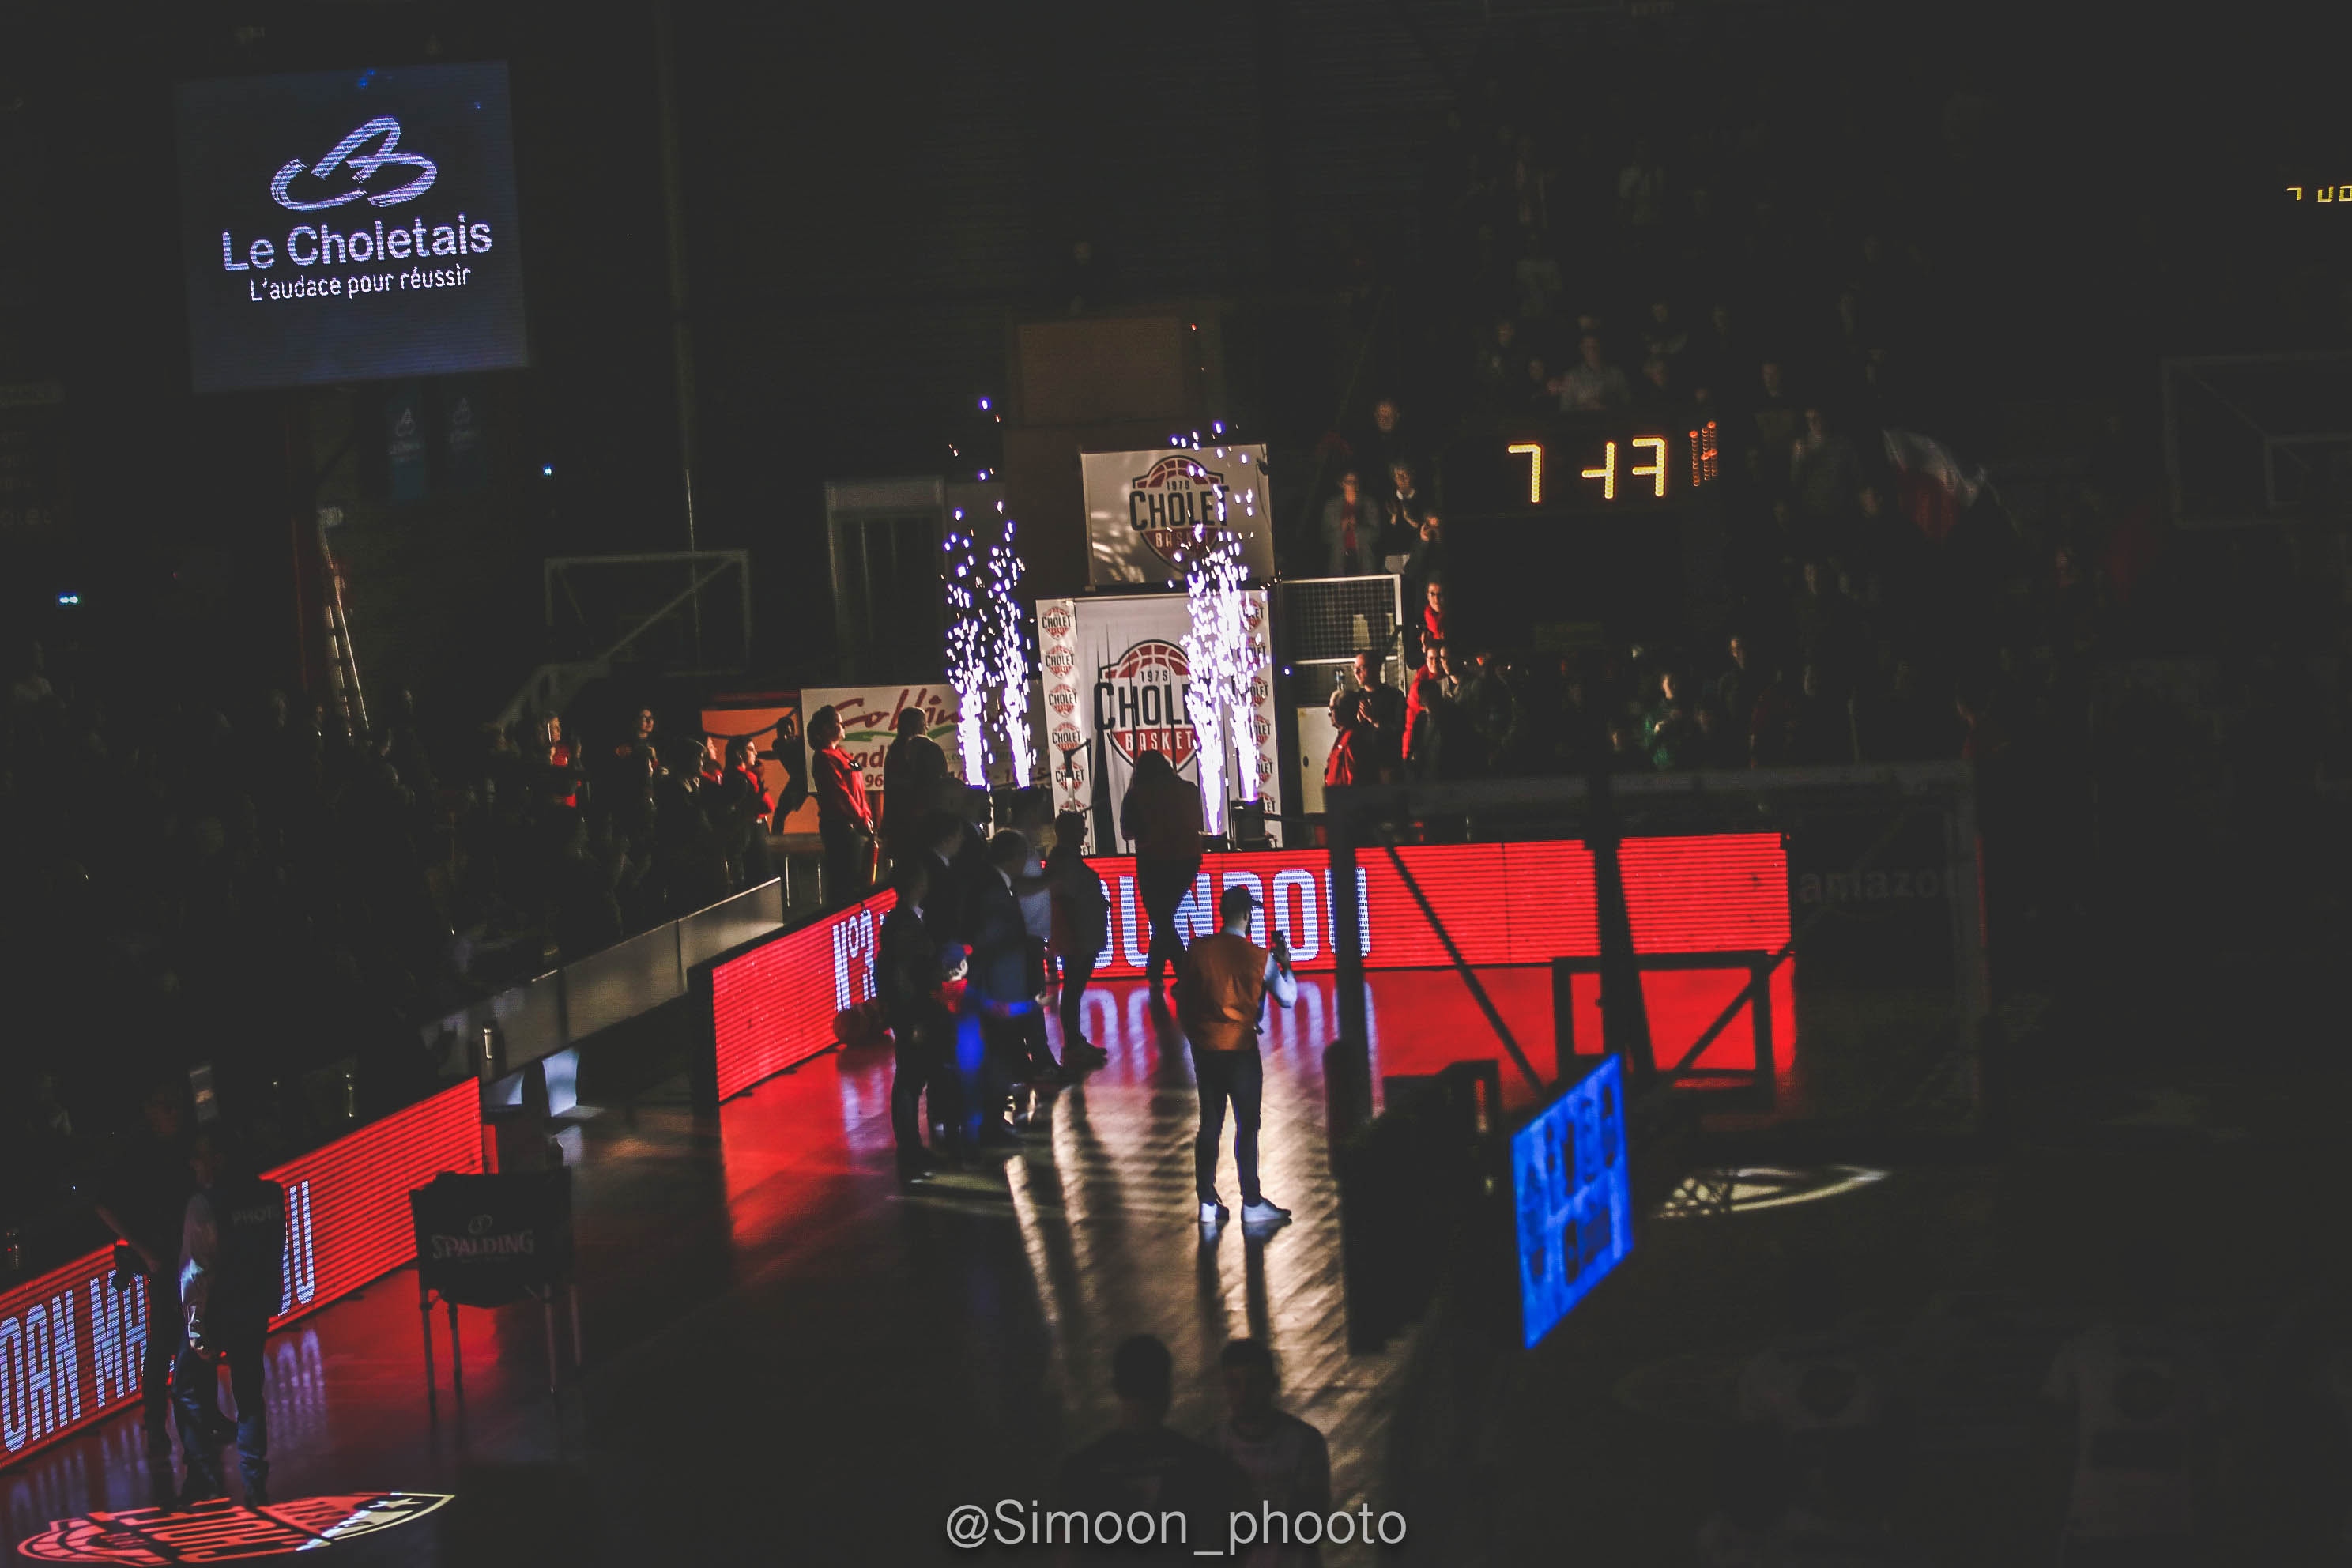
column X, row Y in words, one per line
column 553, row 1012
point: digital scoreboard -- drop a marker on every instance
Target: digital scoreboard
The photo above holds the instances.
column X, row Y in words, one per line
column 348, row 225
column 1602, row 520
column 1597, row 466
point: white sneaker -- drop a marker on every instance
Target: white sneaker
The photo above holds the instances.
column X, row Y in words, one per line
column 1262, row 1213
column 1214, row 1212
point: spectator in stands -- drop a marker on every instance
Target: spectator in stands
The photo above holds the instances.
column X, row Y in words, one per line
column 845, row 822
column 1593, row 386
column 1287, row 1461
column 1383, row 709
column 1625, row 754
column 1407, row 510
column 557, row 753
column 1775, row 420
column 1656, row 394
column 1499, row 369
column 1354, row 756
column 1161, row 815
column 1390, row 441
column 1737, row 689
column 1542, row 388
column 914, row 770
column 1641, row 189
column 1142, row 1467
column 1822, row 730
column 1663, row 335
column 1771, row 723
column 745, row 807
column 1425, row 563
column 1432, row 617
column 1351, row 533
column 1423, row 728
column 1487, row 701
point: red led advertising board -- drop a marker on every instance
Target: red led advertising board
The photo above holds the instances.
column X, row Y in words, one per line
column 70, row 1344
column 774, row 1004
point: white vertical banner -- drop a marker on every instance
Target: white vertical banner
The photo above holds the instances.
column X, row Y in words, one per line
column 1116, row 680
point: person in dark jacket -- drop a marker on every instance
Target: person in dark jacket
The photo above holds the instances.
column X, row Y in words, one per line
column 996, row 994
column 232, row 1261
column 911, row 974
column 1081, row 931
column 1161, row 815
column 913, row 771
column 144, row 1200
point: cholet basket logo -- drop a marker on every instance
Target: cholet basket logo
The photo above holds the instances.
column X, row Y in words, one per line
column 363, row 166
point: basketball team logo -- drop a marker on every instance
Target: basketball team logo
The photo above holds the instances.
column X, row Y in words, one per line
column 1057, row 623
column 1140, row 702
column 222, row 1532
column 1172, row 504
column 1059, row 662
column 1063, row 699
column 1066, row 738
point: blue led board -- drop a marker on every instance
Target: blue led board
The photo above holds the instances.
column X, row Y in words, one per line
column 1574, row 1198
column 348, row 225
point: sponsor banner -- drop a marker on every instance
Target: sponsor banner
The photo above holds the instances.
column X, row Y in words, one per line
column 1887, row 926
column 1115, row 675
column 70, row 1344
column 773, row 1005
column 1145, row 510
column 348, row 225
column 869, row 722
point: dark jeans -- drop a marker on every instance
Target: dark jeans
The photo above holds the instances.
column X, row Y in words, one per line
column 1039, row 1049
column 1163, row 884
column 918, row 1068
column 848, row 861
column 195, row 1390
column 1240, row 1076
column 164, row 1329
column 989, row 1052
column 1077, row 970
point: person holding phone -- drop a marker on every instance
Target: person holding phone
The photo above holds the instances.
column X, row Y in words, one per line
column 1220, row 992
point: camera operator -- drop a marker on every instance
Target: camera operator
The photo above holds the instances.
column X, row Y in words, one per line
column 144, row 1199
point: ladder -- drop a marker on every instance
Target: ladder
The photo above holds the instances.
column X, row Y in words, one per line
column 343, row 664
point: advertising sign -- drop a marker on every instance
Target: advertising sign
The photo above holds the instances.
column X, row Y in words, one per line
column 1116, row 675
column 773, row 1005
column 1143, row 510
column 1574, row 1194
column 71, row 1342
column 869, row 722
column 348, row 225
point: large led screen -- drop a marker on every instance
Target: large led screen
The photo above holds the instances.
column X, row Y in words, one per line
column 1574, row 1196
column 348, row 225
column 773, row 1005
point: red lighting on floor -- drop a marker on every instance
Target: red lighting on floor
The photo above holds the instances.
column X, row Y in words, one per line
column 70, row 1344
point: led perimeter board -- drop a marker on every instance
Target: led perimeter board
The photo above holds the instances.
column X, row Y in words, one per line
column 1574, row 1198
column 348, row 225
